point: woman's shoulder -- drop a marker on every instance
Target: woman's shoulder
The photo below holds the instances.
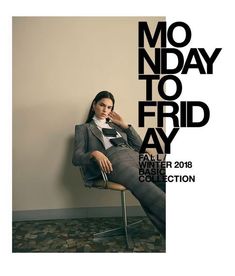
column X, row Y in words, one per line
column 82, row 126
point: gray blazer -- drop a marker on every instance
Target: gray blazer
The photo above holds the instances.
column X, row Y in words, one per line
column 89, row 138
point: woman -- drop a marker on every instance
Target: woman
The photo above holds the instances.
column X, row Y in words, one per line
column 113, row 147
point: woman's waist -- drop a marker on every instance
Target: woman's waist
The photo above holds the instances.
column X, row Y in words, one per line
column 115, row 149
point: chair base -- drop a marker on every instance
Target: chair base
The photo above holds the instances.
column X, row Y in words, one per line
column 120, row 231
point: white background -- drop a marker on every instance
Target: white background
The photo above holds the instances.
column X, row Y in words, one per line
column 200, row 216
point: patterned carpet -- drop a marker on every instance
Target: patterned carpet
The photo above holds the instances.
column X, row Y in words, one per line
column 76, row 235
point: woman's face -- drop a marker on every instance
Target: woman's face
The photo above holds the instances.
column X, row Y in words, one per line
column 102, row 108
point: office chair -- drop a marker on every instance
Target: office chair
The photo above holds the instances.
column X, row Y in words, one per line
column 126, row 229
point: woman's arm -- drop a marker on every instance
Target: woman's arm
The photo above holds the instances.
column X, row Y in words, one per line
column 102, row 161
column 133, row 137
column 83, row 157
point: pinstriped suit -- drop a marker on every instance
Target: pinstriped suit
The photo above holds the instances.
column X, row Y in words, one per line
column 125, row 167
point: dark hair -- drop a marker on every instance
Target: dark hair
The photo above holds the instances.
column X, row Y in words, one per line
column 98, row 97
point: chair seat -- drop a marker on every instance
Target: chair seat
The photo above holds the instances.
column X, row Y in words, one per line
column 115, row 186
column 101, row 184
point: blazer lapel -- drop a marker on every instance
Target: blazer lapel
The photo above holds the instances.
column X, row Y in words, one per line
column 94, row 129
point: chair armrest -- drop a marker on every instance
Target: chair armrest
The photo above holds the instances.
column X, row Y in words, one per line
column 104, row 176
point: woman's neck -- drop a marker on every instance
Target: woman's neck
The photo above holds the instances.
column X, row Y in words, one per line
column 100, row 121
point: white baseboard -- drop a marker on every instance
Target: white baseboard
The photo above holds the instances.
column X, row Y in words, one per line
column 70, row 213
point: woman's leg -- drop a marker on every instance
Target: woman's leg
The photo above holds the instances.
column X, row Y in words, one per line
column 151, row 197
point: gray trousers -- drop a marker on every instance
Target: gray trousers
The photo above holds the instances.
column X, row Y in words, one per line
column 125, row 164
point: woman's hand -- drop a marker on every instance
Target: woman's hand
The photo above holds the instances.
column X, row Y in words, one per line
column 102, row 161
column 117, row 119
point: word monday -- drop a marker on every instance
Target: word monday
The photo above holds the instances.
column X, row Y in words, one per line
column 156, row 59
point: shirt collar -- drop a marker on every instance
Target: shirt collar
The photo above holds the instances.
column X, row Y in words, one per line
column 99, row 122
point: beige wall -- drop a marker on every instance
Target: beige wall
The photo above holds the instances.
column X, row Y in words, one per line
column 59, row 64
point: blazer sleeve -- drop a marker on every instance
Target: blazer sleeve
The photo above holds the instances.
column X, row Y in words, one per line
column 81, row 157
column 133, row 138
